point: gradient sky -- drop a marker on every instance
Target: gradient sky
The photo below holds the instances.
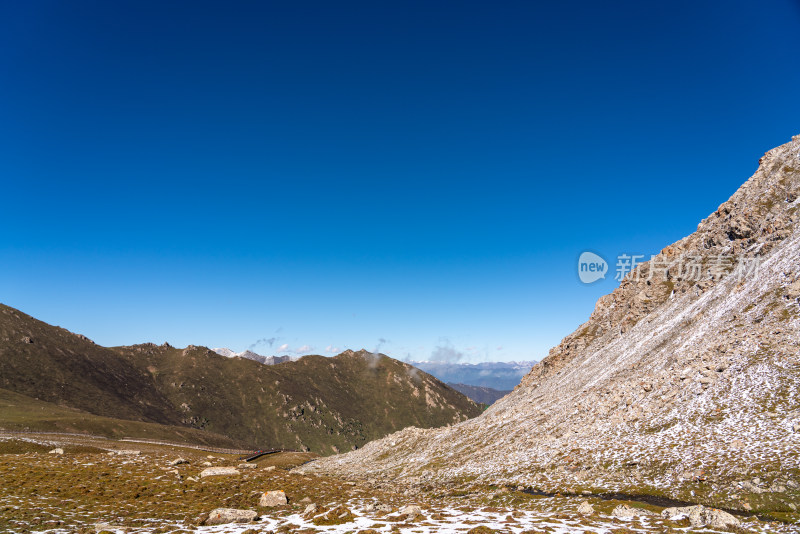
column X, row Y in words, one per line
column 418, row 177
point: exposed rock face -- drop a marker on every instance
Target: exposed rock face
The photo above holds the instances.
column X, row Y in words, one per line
column 681, row 382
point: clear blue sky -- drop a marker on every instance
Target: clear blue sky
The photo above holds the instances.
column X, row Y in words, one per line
column 335, row 174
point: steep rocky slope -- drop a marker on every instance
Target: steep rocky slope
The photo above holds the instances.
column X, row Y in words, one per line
column 683, row 383
column 52, row 379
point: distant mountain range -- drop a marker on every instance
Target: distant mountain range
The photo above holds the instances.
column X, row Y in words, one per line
column 501, row 376
column 52, row 379
column 483, row 382
column 480, row 394
column 249, row 355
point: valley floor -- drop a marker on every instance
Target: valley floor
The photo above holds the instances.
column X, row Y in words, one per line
column 100, row 485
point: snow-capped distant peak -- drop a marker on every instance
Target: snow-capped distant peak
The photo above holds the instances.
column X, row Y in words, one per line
column 267, row 360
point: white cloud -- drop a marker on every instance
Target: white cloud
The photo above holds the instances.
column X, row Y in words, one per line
column 304, row 348
column 445, row 352
column 331, row 349
column 283, row 348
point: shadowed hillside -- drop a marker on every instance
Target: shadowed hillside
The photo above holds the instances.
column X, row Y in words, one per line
column 322, row 404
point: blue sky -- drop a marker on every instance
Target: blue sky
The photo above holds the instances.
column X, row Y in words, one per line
column 418, row 177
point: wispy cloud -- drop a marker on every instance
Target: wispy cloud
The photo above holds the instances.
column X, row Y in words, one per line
column 376, row 354
column 330, row 349
column 263, row 341
column 269, row 341
column 284, row 348
column 446, row 352
column 304, row 348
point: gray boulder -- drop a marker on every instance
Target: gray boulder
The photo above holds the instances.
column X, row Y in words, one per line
column 218, row 471
column 220, row 516
column 700, row 516
column 273, row 498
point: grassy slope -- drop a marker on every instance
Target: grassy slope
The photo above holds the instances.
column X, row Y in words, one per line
column 324, row 404
column 68, row 369
column 316, row 402
column 20, row 413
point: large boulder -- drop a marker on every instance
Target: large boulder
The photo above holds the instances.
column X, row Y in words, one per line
column 218, row 471
column 700, row 516
column 273, row 498
column 220, row 516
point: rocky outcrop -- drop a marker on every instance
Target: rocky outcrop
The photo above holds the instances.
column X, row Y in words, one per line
column 679, row 384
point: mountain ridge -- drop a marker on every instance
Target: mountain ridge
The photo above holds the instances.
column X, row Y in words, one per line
column 318, row 403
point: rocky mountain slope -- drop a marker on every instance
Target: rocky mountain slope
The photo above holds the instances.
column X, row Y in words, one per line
column 52, row 379
column 683, row 383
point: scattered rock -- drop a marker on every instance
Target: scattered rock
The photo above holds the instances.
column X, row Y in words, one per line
column 221, row 516
column 127, row 452
column 247, row 466
column 273, row 498
column 206, row 464
column 624, row 511
column 700, row 516
column 311, row 509
column 585, row 508
column 27, row 339
column 793, row 291
column 410, row 511
column 179, row 461
column 270, row 468
column 57, row 450
column 218, row 471
column 305, row 500
column 750, row 487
